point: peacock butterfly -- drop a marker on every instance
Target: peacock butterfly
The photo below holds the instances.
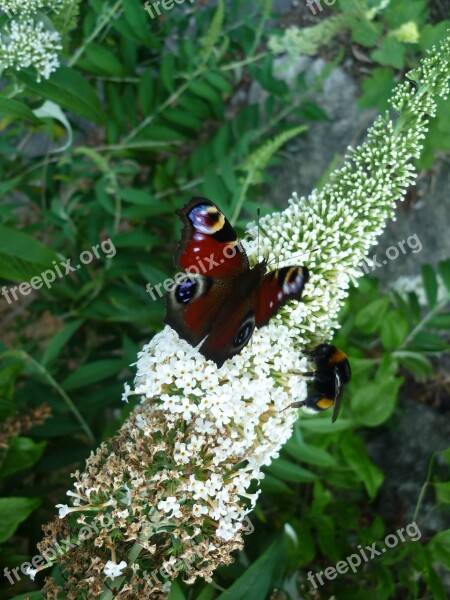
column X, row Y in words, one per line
column 331, row 373
column 219, row 299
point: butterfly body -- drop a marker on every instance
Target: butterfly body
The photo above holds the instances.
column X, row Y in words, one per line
column 219, row 300
column 332, row 372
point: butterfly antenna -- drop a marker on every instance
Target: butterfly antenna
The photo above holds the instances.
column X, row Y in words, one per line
column 298, row 255
column 258, row 212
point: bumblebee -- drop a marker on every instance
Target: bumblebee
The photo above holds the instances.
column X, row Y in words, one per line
column 330, row 375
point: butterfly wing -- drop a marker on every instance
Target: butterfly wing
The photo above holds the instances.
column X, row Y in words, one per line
column 209, row 244
column 275, row 289
column 255, row 298
column 213, row 257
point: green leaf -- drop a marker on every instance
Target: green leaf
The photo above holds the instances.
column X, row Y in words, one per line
column 69, row 89
column 146, row 89
column 439, row 321
column 391, row 53
column 288, row 471
column 444, row 272
column 8, row 376
column 371, row 317
column 204, row 90
column 273, row 485
column 394, row 329
column 256, row 581
column 374, row 403
column 428, row 342
column 442, row 492
column 219, row 81
column 22, row 453
column 430, row 284
column 323, row 424
column 103, row 61
column 416, row 363
column 356, row 455
column 176, row 593
column 137, row 19
column 13, row 511
column 207, row 593
column 313, row 455
column 377, row 89
column 183, row 118
column 433, row 581
column 57, row 343
column 440, row 548
column 364, row 32
column 21, row 256
column 17, row 110
column 92, row 373
column 168, row 72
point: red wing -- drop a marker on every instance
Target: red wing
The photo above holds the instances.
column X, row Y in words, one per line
column 209, row 244
column 230, row 334
column 275, row 289
column 193, row 304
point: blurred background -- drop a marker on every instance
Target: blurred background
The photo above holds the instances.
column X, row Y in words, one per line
column 115, row 122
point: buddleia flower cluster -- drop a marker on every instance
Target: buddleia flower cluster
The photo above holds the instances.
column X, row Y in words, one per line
column 34, row 34
column 168, row 496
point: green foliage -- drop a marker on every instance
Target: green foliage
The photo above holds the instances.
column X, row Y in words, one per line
column 148, row 121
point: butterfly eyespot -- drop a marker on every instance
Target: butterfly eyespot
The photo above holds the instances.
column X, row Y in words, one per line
column 185, row 291
column 206, row 219
column 294, row 281
column 245, row 332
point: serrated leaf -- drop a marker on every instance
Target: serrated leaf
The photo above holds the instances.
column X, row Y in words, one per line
column 391, row 53
column 377, row 89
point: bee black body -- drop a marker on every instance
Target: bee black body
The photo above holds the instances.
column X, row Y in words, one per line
column 331, row 373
